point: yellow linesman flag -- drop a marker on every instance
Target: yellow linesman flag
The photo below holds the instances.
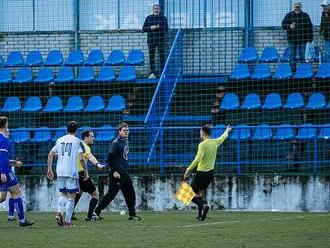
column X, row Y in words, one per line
column 185, row 194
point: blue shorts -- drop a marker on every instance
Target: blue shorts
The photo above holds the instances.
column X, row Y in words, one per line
column 11, row 181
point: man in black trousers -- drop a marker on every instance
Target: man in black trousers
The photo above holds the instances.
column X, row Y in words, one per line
column 156, row 26
column 118, row 174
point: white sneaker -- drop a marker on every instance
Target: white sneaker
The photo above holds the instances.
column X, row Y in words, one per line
column 152, row 76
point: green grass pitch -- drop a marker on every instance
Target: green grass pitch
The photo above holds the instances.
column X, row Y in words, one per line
column 173, row 229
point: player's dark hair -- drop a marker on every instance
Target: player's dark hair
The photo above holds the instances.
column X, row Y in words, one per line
column 3, row 121
column 207, row 130
column 72, row 127
column 86, row 134
column 122, row 125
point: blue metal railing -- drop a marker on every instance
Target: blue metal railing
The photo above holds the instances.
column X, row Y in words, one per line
column 161, row 101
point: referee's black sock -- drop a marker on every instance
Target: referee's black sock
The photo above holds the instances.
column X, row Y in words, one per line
column 200, row 204
column 92, row 205
column 76, row 200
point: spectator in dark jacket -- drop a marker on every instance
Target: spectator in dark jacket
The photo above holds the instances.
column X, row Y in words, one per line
column 325, row 29
column 299, row 29
column 156, row 26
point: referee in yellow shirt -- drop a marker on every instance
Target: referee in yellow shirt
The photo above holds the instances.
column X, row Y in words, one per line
column 204, row 160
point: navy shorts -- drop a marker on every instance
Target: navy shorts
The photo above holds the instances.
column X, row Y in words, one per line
column 11, row 181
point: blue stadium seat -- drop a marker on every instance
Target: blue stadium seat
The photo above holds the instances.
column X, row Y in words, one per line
column 294, row 101
column 240, row 132
column 324, row 132
column 240, row 72
column 116, row 103
column 116, row 57
column 251, row 101
column 12, row 104
column 107, row 74
column 5, row 76
column 54, row 104
column 34, row 58
column 65, row 75
column 95, row 57
column 42, row 134
column 127, row 74
column 284, row 132
column 135, row 57
column 54, row 58
column 61, row 131
column 304, row 71
column 45, row 75
column 262, row 132
column 248, row 55
column 283, row 71
column 75, row 58
column 106, row 133
column 324, row 71
column 24, row 75
column 261, row 71
column 86, row 75
column 272, row 101
column 306, row 131
column 217, row 130
column 32, row 104
column 269, row 55
column 74, row 104
column 95, row 104
column 316, row 101
column 15, row 58
column 1, row 60
column 20, row 135
column 230, row 102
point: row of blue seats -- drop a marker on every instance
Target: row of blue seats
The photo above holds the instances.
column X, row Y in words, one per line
column 265, row 132
column 66, row 75
column 283, row 71
column 46, row 134
column 240, row 132
column 273, row 101
column 75, row 58
column 270, row 55
column 55, row 104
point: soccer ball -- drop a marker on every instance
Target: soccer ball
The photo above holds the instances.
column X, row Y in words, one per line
column 122, row 212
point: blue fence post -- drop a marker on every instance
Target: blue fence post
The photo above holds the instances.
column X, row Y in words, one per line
column 238, row 157
column 315, row 156
column 161, row 152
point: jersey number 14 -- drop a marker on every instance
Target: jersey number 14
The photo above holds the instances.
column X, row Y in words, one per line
column 66, row 148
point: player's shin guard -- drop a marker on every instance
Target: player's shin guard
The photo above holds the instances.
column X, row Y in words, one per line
column 92, row 205
column 61, row 203
column 69, row 210
column 11, row 207
column 18, row 203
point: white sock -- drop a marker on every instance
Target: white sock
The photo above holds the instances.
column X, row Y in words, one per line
column 69, row 210
column 61, row 204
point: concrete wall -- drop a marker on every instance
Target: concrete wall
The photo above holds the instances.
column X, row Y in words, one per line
column 262, row 193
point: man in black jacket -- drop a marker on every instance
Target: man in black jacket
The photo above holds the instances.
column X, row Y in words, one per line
column 156, row 26
column 325, row 29
column 299, row 29
column 118, row 174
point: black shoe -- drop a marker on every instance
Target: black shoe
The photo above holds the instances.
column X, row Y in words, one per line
column 26, row 223
column 97, row 215
column 205, row 212
column 134, row 217
column 59, row 219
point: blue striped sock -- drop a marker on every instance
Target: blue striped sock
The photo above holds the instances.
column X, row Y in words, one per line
column 11, row 207
column 18, row 203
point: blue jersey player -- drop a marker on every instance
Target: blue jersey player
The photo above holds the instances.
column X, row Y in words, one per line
column 8, row 181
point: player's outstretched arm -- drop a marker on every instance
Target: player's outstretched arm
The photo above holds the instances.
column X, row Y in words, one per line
column 225, row 135
column 94, row 161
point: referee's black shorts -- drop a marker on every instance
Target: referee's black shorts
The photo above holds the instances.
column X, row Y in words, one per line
column 202, row 180
column 86, row 186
